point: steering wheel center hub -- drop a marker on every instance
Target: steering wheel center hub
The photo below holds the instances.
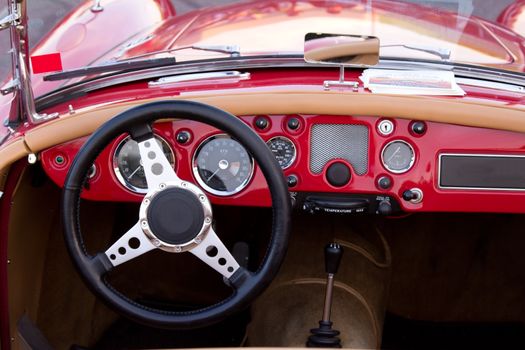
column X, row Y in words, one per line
column 176, row 217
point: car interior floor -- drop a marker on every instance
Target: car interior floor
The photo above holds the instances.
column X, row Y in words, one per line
column 423, row 280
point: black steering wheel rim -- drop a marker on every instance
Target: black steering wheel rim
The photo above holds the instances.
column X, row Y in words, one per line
column 247, row 285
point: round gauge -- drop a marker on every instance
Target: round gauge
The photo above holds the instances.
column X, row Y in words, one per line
column 222, row 166
column 398, row 157
column 128, row 166
column 284, row 151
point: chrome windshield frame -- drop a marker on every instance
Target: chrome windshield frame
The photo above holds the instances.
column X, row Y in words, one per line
column 23, row 103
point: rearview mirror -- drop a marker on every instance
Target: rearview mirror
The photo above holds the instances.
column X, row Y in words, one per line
column 341, row 49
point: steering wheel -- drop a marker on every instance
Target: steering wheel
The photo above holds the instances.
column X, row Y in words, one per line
column 174, row 216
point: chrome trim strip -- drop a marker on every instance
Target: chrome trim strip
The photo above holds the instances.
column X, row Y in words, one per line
column 497, row 39
column 476, row 188
column 182, row 31
column 491, row 85
column 226, row 76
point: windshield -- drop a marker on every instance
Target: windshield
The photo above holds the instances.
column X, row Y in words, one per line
column 451, row 30
column 479, row 32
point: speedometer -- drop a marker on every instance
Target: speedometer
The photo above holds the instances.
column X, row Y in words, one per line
column 284, row 151
column 222, row 166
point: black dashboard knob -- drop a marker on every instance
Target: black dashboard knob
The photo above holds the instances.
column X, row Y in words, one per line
column 384, row 208
column 338, row 174
column 384, row 182
column 293, row 123
column 183, row 137
column 419, row 128
column 292, row 180
column 261, row 123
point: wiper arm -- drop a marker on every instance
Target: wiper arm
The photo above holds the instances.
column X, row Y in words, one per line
column 111, row 67
column 232, row 50
column 442, row 53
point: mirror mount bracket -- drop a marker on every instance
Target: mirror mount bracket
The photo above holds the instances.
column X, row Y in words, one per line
column 341, row 83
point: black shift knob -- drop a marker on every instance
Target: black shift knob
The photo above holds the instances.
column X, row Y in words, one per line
column 333, row 253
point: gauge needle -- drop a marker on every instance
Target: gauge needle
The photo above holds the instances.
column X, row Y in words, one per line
column 223, row 164
column 212, row 175
column 393, row 154
column 134, row 172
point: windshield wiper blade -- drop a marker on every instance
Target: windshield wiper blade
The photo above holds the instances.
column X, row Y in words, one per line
column 111, row 67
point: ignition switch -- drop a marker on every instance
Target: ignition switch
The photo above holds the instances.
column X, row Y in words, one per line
column 414, row 195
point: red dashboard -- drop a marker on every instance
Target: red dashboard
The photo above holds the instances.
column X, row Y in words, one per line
column 427, row 141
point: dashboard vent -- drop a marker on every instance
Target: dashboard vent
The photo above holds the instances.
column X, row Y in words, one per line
column 339, row 141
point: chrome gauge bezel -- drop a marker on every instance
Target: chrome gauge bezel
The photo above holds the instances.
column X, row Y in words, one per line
column 201, row 181
column 412, row 158
column 122, row 178
column 292, row 161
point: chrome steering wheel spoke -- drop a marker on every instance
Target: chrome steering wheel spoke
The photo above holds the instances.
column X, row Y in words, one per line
column 157, row 168
column 132, row 244
column 215, row 254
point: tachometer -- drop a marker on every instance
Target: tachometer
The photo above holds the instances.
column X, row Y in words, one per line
column 222, row 166
column 284, row 151
column 128, row 166
column 398, row 156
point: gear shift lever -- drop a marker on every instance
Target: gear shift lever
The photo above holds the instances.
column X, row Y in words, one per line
column 325, row 336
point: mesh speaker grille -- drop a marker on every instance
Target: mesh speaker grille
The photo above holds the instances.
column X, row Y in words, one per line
column 339, row 141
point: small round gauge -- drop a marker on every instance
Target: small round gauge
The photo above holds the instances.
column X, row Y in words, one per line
column 398, row 156
column 222, row 166
column 284, row 151
column 128, row 166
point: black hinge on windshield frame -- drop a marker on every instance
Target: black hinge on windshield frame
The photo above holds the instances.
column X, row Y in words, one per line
column 23, row 103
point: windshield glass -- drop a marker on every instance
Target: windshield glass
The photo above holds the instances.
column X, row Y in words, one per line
column 479, row 32
column 443, row 30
